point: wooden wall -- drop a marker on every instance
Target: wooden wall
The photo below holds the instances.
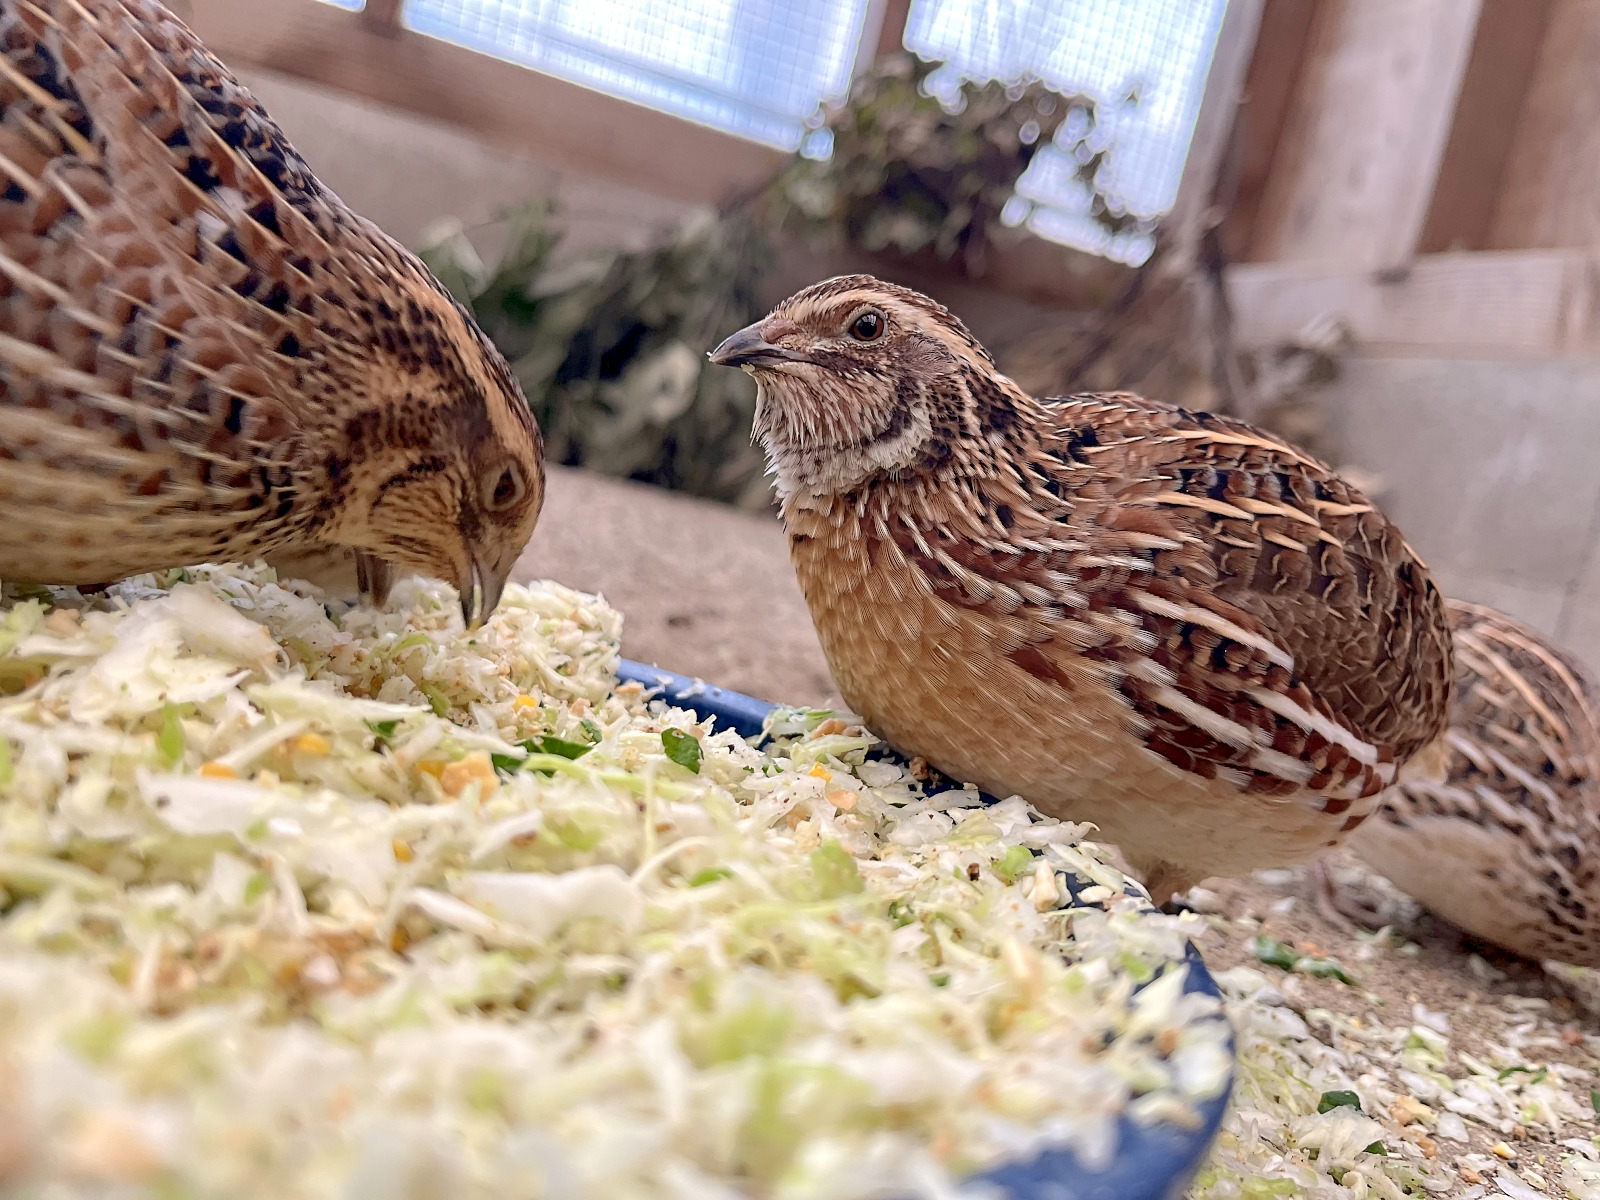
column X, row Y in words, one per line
column 1425, row 171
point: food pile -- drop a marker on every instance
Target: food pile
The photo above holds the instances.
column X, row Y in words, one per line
column 300, row 899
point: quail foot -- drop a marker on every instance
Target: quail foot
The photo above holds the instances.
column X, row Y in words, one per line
column 1170, row 624
column 204, row 355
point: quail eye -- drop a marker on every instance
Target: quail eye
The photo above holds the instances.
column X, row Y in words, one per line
column 506, row 489
column 868, row 327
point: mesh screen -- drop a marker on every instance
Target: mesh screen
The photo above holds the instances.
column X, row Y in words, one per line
column 759, row 68
column 1158, row 51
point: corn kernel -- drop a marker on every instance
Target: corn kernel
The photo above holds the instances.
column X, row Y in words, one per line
column 525, row 701
column 1501, row 1150
column 402, row 851
column 474, row 768
column 218, row 770
column 432, row 766
column 311, row 743
column 821, row 772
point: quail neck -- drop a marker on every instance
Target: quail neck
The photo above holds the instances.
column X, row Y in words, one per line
column 1171, row 624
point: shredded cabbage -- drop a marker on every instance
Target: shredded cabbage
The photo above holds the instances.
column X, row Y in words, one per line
column 299, row 899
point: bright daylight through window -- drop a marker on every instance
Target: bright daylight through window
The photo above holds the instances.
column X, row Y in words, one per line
column 764, row 69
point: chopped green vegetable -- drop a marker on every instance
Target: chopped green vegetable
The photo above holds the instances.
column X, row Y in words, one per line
column 1325, row 968
column 1273, row 952
column 1016, row 862
column 550, row 744
column 1534, row 1076
column 384, row 729
column 709, row 875
column 170, row 741
column 835, row 871
column 1594, row 1099
column 1333, row 1100
column 546, row 743
column 1278, row 954
column 591, row 729
column 682, row 748
column 1376, row 1148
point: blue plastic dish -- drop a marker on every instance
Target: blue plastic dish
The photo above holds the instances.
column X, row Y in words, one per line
column 1151, row 1162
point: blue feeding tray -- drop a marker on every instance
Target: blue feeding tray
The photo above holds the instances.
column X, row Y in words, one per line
column 1151, row 1162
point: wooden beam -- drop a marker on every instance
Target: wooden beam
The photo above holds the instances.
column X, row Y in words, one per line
column 1472, row 172
column 1269, row 85
column 1360, row 153
column 1488, row 304
column 892, row 30
column 1219, row 109
column 1554, row 170
column 568, row 126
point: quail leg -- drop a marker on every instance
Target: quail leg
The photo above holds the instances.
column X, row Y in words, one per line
column 1335, row 904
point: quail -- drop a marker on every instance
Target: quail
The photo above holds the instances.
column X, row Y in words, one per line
column 205, row 355
column 1507, row 846
column 1168, row 623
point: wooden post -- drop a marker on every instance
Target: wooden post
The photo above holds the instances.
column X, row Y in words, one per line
column 1219, row 107
column 1553, row 172
column 1359, row 160
column 1494, row 93
column 382, row 16
column 892, row 31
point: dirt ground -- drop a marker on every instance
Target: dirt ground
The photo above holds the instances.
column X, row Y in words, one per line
column 709, row 592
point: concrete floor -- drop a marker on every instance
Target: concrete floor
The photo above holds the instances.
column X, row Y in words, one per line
column 705, row 590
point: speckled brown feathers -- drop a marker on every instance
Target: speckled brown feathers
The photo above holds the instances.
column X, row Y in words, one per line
column 1168, row 623
column 1508, row 845
column 204, row 355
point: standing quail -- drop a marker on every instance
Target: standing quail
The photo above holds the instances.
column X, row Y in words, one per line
column 1168, row 623
column 1508, row 845
column 204, row 355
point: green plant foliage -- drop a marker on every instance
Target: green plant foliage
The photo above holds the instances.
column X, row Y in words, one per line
column 610, row 346
column 911, row 173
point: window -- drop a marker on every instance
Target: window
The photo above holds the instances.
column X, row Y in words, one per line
column 1157, row 52
column 758, row 68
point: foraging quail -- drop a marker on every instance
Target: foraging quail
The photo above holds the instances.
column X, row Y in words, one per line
column 1168, row 623
column 1508, row 845
column 204, row 355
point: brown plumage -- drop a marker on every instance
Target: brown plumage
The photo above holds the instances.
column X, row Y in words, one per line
column 1168, row 623
column 204, row 355
column 1508, row 845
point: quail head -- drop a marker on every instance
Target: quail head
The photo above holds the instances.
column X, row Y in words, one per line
column 1168, row 623
column 1507, row 846
column 204, row 355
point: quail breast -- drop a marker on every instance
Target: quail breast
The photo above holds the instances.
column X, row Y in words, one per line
column 1507, row 845
column 1171, row 624
column 205, row 356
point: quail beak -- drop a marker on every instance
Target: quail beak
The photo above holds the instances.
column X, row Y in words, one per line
column 481, row 596
column 748, row 348
column 374, row 577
